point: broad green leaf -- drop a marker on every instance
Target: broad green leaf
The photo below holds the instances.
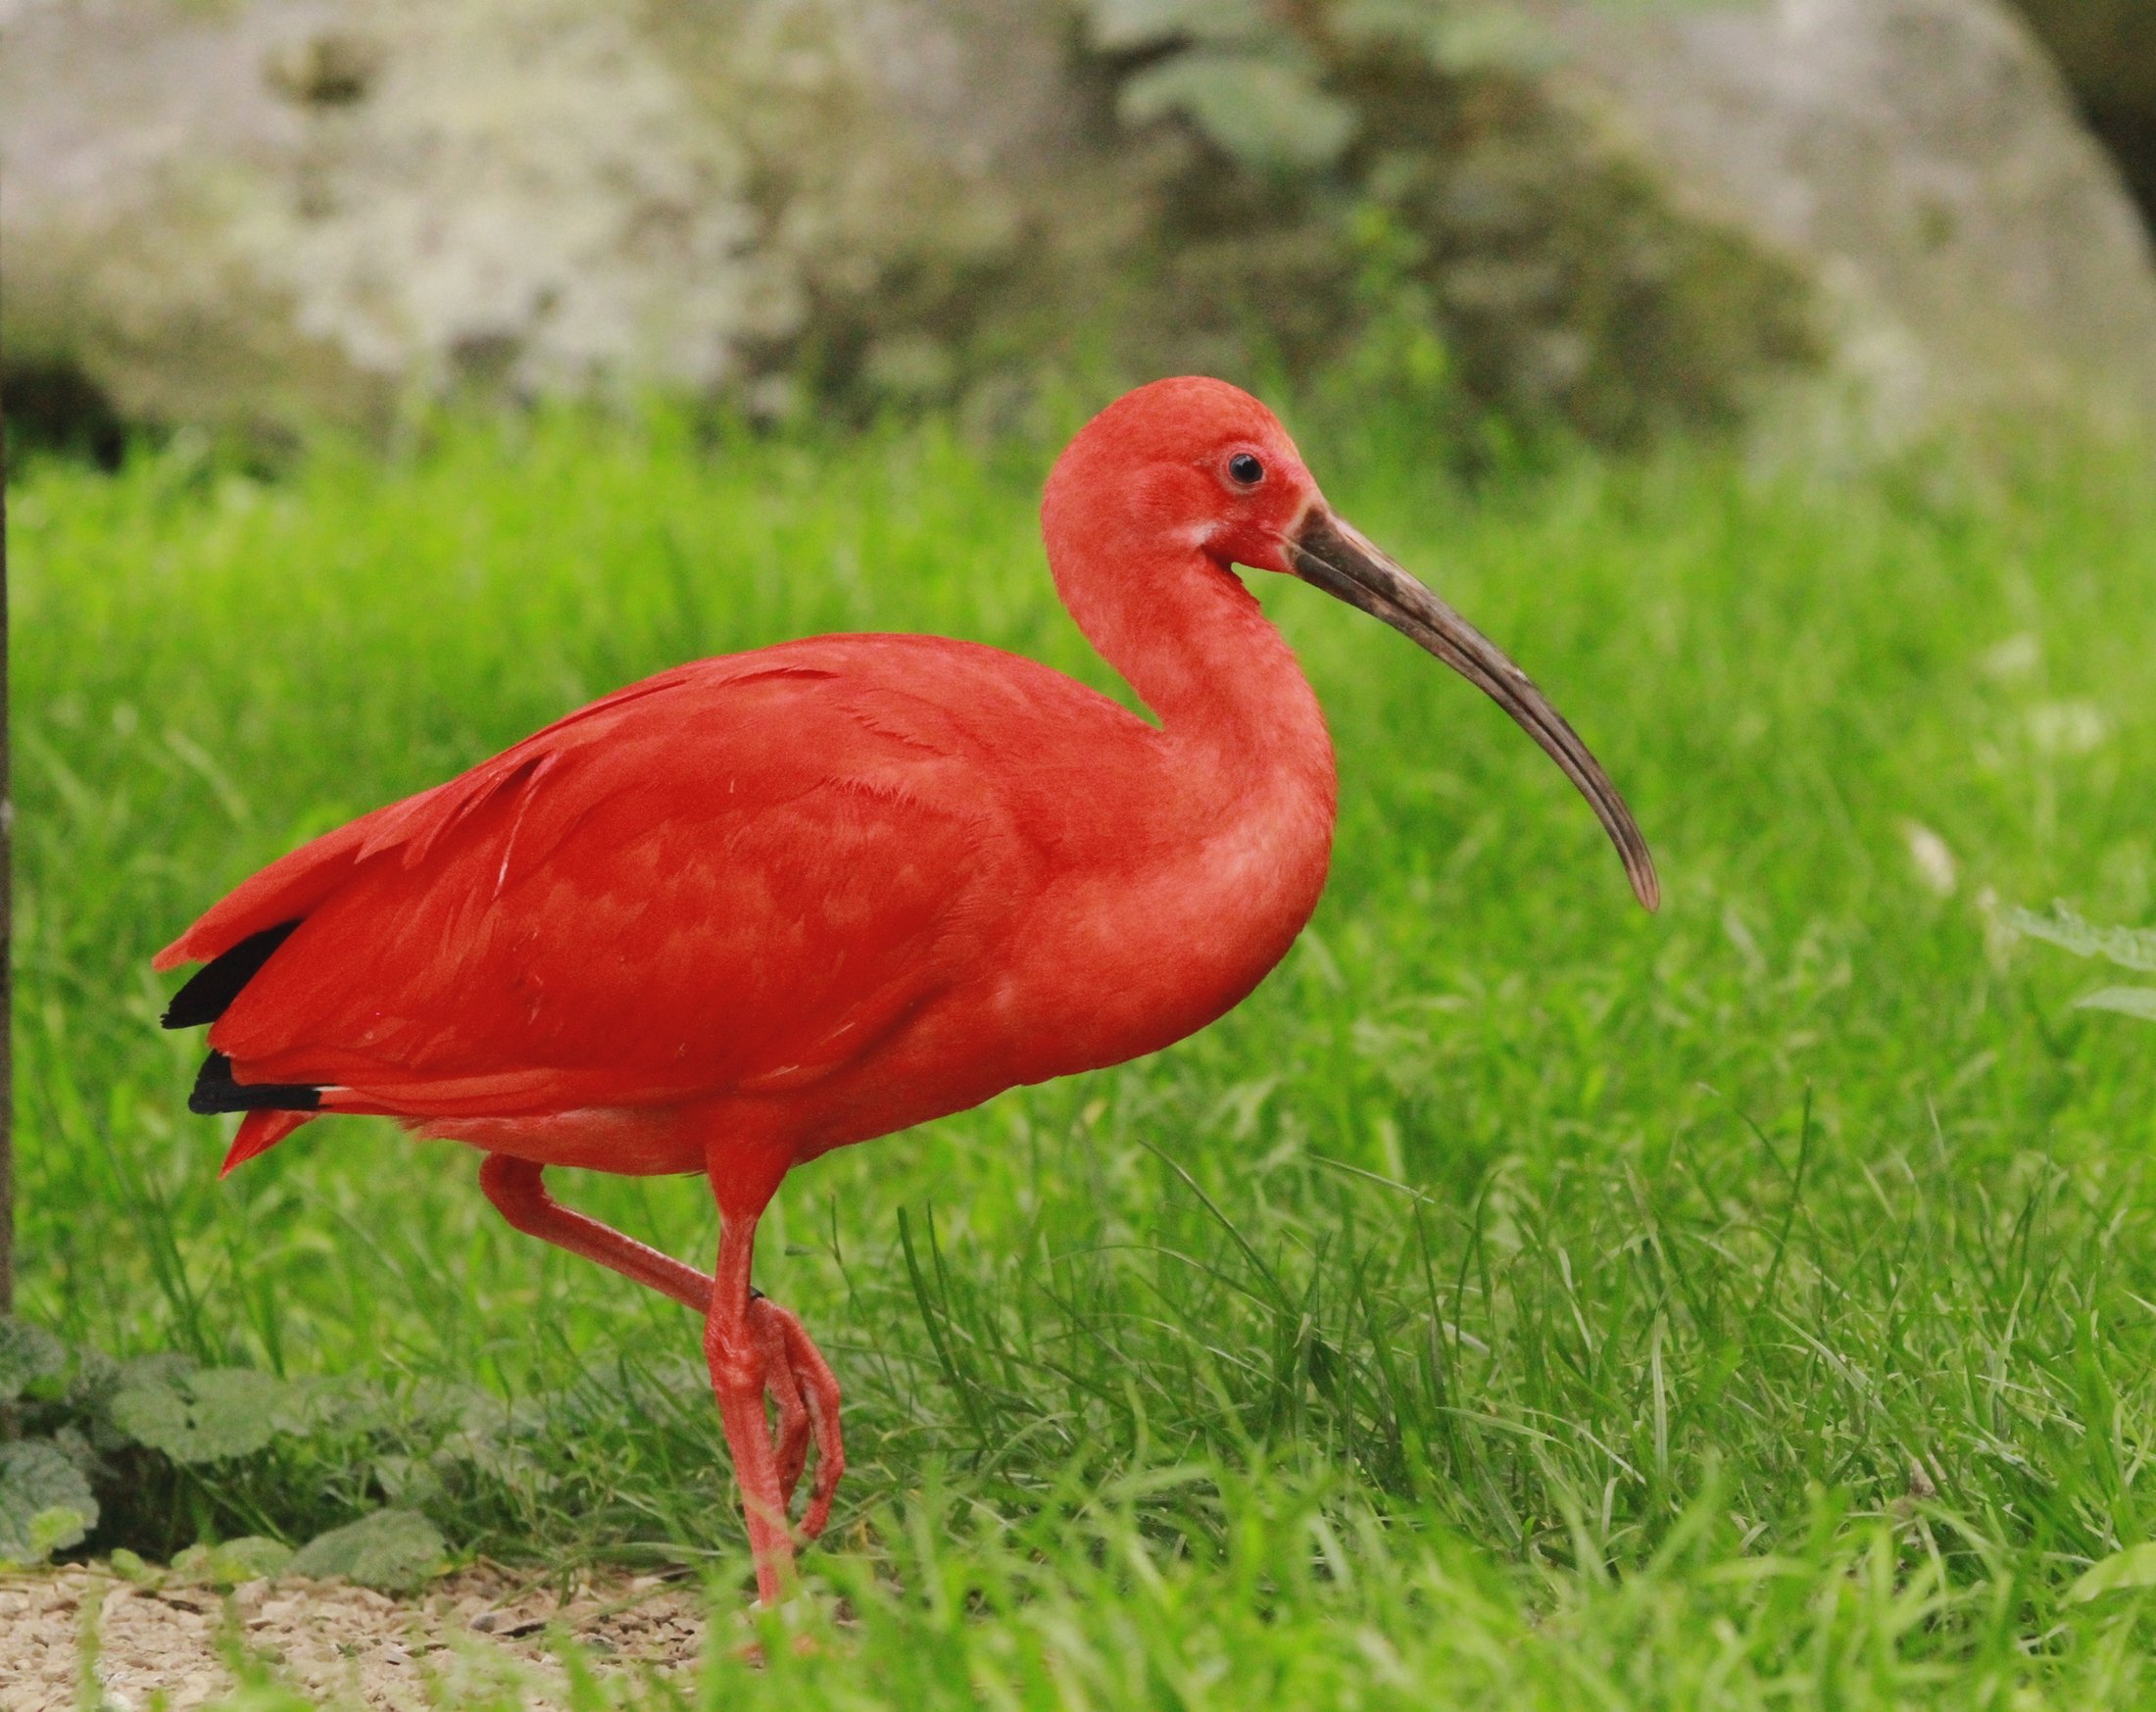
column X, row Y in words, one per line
column 55, row 1529
column 1491, row 39
column 1265, row 112
column 247, row 1558
column 45, row 1504
column 2129, row 947
column 1121, row 25
column 27, row 1354
column 201, row 1417
column 98, row 1379
column 2128, row 1000
column 2134, row 1567
column 392, row 1550
column 72, row 1443
column 1486, row 35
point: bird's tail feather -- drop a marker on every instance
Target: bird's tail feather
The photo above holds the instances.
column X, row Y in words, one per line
column 210, row 991
column 259, row 1132
column 217, row 1090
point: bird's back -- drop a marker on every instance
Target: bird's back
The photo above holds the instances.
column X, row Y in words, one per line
column 738, row 875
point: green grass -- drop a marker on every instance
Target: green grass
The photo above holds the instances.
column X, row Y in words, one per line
column 1519, row 1301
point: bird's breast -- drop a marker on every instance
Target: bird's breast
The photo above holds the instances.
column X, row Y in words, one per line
column 1172, row 927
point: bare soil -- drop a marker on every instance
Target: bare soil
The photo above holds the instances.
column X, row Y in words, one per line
column 483, row 1629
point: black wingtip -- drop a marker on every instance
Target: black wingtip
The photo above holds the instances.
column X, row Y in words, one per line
column 210, row 988
column 216, row 1091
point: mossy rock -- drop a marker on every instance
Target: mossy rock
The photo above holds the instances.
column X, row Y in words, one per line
column 2107, row 49
column 276, row 215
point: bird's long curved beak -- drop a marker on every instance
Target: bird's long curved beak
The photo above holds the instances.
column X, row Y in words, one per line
column 1334, row 556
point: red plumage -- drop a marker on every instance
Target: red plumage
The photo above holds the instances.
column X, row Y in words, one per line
column 756, row 908
column 737, row 882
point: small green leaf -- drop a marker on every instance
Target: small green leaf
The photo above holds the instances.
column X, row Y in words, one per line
column 2126, row 1001
column 245, row 1559
column 1265, row 112
column 27, row 1354
column 98, row 1379
column 1488, row 36
column 2130, row 948
column 2134, row 1567
column 130, row 1566
column 391, row 1550
column 45, row 1504
column 1121, row 25
column 201, row 1417
column 54, row 1529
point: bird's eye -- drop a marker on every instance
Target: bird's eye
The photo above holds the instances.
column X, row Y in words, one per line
column 1245, row 470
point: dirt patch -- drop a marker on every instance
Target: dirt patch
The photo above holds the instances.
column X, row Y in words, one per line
column 483, row 1629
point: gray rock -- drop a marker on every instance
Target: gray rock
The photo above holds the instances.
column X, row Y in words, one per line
column 283, row 211
column 270, row 214
column 2107, row 49
column 1923, row 160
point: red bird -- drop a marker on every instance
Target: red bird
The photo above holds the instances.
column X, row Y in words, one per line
column 757, row 908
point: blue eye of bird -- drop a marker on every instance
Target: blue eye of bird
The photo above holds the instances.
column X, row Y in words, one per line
column 1245, row 470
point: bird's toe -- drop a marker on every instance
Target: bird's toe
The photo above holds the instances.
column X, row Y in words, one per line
column 790, row 1436
column 800, row 1384
column 818, row 1387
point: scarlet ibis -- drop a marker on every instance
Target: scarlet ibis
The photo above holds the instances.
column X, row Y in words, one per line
column 755, row 908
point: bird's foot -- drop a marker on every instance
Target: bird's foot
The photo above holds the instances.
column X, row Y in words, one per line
column 759, row 1355
column 806, row 1391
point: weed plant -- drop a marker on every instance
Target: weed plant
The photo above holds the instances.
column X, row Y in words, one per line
column 1518, row 1301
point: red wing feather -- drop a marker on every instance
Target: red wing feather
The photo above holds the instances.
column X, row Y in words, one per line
column 746, row 881
column 294, row 884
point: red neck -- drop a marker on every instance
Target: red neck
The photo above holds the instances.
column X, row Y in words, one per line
column 1197, row 647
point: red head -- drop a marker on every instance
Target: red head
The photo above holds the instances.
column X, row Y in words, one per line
column 1193, row 462
column 1184, row 478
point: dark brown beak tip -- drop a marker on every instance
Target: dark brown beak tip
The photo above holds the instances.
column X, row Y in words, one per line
column 1330, row 553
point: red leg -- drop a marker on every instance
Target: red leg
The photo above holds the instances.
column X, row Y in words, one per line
column 519, row 1192
column 754, row 1348
column 740, row 1370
